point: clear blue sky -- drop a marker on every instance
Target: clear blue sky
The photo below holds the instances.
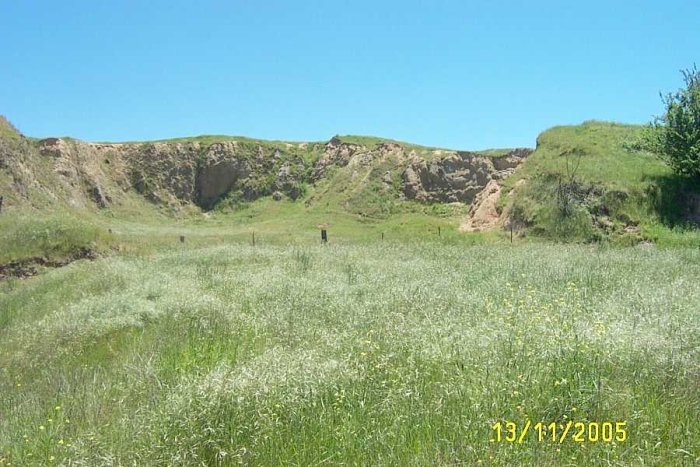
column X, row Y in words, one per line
column 458, row 74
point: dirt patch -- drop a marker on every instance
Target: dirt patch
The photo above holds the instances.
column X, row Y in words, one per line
column 483, row 214
column 28, row 267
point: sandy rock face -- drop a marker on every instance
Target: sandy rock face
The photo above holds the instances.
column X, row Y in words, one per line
column 196, row 172
column 218, row 172
column 457, row 177
column 335, row 153
column 216, row 179
column 226, row 168
column 483, row 214
column 88, row 173
column 163, row 172
column 507, row 164
column 287, row 182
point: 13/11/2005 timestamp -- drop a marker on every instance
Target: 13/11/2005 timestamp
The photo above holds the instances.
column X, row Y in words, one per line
column 578, row 432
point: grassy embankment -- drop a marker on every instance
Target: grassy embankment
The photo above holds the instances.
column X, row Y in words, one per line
column 618, row 194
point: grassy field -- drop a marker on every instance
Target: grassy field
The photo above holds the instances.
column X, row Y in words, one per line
column 217, row 352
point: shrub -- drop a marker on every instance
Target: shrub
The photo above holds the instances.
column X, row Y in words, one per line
column 676, row 135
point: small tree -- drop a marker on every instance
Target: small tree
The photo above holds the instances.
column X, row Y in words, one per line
column 568, row 192
column 676, row 135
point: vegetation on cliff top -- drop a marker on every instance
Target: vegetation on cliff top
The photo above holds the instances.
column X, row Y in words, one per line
column 593, row 182
column 676, row 135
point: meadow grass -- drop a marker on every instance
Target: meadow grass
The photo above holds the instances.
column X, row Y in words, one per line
column 399, row 353
column 52, row 236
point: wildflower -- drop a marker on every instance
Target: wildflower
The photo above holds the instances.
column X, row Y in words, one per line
column 42, row 427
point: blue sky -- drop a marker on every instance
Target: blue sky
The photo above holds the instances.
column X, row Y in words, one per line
column 458, row 74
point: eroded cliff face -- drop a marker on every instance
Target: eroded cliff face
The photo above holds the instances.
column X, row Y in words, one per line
column 457, row 177
column 199, row 172
column 167, row 173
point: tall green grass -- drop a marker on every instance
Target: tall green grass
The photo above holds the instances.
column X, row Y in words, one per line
column 366, row 354
column 51, row 236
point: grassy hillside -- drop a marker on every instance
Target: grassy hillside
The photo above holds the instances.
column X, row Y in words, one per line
column 589, row 182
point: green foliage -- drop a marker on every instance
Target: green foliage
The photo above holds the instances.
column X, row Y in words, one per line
column 373, row 200
column 676, row 135
column 553, row 212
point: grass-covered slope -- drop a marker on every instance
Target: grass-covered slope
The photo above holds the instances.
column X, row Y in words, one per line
column 591, row 182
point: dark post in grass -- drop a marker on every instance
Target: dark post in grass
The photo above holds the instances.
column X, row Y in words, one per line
column 182, row 239
column 439, row 234
column 253, row 238
column 382, row 236
column 511, row 232
column 324, row 232
column 1, row 200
